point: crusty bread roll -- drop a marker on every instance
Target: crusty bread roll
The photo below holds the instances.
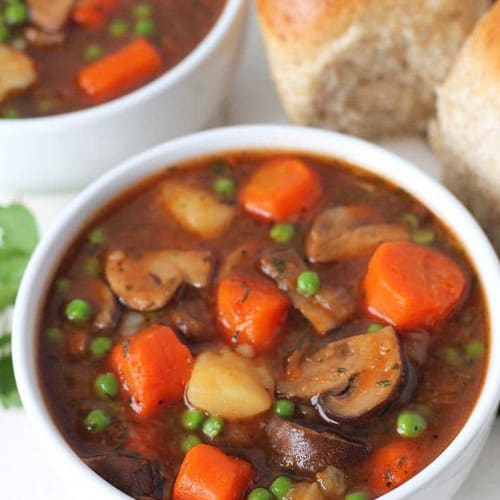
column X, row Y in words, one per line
column 466, row 132
column 365, row 67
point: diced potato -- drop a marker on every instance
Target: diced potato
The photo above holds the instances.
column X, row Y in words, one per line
column 196, row 210
column 331, row 482
column 17, row 71
column 305, row 491
column 229, row 386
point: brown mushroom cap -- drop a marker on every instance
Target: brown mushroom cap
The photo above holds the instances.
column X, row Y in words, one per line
column 305, row 450
column 349, row 231
column 147, row 281
column 351, row 377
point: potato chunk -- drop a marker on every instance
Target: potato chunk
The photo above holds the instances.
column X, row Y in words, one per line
column 17, row 71
column 196, row 210
column 230, row 386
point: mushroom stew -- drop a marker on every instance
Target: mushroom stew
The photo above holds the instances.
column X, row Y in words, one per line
column 58, row 56
column 262, row 325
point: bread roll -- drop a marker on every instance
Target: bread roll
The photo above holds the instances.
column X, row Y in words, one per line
column 365, row 67
column 466, row 133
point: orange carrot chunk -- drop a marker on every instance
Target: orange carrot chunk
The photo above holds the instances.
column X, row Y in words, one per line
column 281, row 189
column 154, row 367
column 208, row 474
column 250, row 311
column 92, row 13
column 392, row 465
column 121, row 71
column 412, row 286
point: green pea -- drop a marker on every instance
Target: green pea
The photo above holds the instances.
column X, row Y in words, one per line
column 144, row 27
column 11, row 114
column 92, row 266
column 451, row 356
column 474, row 349
column 281, row 486
column 282, row 233
column 92, row 53
column 423, row 236
column 54, row 335
column 97, row 421
column 308, row 283
column 78, row 310
column 190, row 442
column 97, row 236
column 212, row 427
column 45, row 106
column 106, row 385
column 284, row 408
column 100, row 346
column 411, row 219
column 192, row 419
column 374, row 327
column 63, row 285
column 410, row 424
column 15, row 14
column 356, row 495
column 260, row 494
column 118, row 28
column 142, row 10
column 224, row 186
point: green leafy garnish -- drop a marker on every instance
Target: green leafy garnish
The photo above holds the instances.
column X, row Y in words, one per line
column 9, row 397
column 18, row 239
column 18, row 229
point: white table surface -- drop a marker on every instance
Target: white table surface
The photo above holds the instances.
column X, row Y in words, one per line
column 25, row 472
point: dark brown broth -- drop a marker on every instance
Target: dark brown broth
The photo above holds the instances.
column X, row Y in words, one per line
column 137, row 222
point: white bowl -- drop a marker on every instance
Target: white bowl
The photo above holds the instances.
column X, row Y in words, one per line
column 69, row 151
column 442, row 478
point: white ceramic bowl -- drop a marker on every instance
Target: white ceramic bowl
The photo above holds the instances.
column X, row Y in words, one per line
column 69, row 151
column 440, row 479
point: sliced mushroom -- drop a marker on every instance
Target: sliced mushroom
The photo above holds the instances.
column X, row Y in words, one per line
column 242, row 256
column 350, row 231
column 190, row 327
column 326, row 310
column 195, row 266
column 135, row 476
column 107, row 314
column 50, row 15
column 144, row 282
column 41, row 38
column 17, row 71
column 196, row 210
column 305, row 450
column 147, row 281
column 351, row 377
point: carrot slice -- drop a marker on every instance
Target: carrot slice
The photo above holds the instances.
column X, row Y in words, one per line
column 154, row 368
column 93, row 13
column 121, row 71
column 412, row 286
column 392, row 465
column 281, row 189
column 250, row 310
column 208, row 474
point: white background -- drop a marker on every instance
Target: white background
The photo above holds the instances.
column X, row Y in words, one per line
column 25, row 473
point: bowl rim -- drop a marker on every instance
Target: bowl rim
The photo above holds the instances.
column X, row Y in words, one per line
column 273, row 138
column 168, row 79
